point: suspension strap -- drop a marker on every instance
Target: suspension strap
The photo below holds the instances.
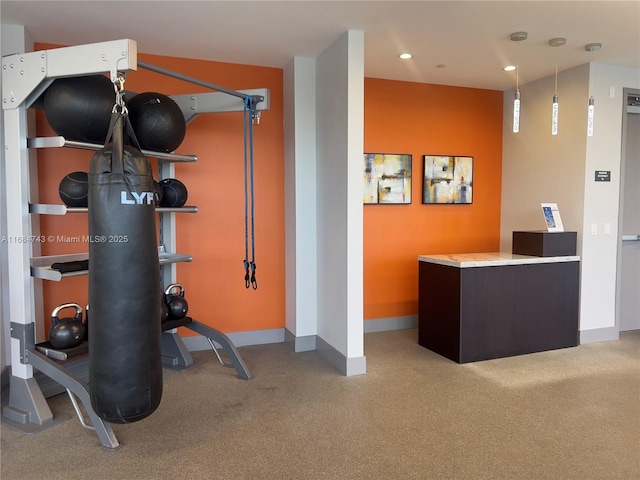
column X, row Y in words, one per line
column 249, row 265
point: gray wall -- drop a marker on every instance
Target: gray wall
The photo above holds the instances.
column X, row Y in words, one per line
column 539, row 167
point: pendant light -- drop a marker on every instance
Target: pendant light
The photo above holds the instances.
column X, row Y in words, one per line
column 591, row 47
column 517, row 37
column 555, row 108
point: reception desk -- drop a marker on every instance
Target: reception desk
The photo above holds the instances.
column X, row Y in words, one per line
column 479, row 306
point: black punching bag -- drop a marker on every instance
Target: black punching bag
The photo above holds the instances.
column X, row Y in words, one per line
column 125, row 359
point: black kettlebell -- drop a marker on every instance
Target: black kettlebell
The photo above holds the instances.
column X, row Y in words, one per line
column 176, row 303
column 67, row 332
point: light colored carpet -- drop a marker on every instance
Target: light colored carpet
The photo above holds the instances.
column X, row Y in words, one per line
column 564, row 414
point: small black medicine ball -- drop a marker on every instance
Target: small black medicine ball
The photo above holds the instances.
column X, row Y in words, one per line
column 79, row 108
column 74, row 189
column 157, row 121
column 164, row 312
column 174, row 193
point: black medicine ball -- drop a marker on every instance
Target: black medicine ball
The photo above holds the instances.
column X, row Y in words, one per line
column 79, row 108
column 157, row 193
column 174, row 193
column 74, row 189
column 157, row 121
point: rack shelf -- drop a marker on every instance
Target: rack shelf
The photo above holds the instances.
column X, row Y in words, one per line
column 185, row 209
column 41, row 266
column 58, row 141
column 55, row 209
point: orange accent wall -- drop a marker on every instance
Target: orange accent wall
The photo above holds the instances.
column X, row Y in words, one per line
column 214, row 281
column 423, row 119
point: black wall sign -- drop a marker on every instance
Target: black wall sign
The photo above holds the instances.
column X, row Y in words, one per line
column 603, row 175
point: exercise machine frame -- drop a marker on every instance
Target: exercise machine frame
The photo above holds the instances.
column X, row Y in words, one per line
column 25, row 77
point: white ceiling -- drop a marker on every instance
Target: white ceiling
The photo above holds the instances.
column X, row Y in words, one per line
column 471, row 38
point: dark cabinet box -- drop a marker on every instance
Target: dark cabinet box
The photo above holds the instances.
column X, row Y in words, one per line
column 544, row 244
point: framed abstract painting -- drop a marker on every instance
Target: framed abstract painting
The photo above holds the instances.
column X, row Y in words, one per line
column 447, row 179
column 387, row 178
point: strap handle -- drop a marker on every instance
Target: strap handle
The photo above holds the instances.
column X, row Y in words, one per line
column 249, row 266
column 117, row 146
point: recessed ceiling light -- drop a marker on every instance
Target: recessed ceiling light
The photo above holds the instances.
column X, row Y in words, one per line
column 405, row 56
column 509, row 68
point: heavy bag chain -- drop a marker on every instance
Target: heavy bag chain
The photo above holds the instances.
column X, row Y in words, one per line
column 119, row 106
column 249, row 266
column 120, row 110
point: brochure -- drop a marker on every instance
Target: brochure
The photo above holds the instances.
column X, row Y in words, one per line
column 552, row 217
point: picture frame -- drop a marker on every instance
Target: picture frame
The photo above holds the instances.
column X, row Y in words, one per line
column 447, row 179
column 387, row 178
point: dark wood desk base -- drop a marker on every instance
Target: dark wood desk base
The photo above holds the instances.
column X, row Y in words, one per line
column 480, row 313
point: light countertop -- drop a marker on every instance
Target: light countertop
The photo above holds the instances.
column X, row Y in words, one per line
column 491, row 259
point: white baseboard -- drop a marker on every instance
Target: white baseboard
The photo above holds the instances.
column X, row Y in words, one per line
column 599, row 335
column 348, row 366
column 239, row 339
column 391, row 323
column 301, row 344
column 306, row 343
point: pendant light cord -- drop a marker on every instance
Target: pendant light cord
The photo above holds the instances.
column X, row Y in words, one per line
column 518, row 69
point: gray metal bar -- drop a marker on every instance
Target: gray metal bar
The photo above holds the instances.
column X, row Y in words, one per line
column 80, row 389
column 47, row 209
column 27, row 405
column 58, row 209
column 21, row 288
column 113, row 56
column 192, row 105
column 41, row 266
column 51, row 353
column 167, row 227
column 184, row 209
column 630, row 237
column 23, row 74
column 174, row 351
column 76, row 407
column 78, row 366
column 49, row 142
column 193, row 80
column 161, row 156
column 226, row 343
column 25, row 334
column 215, row 350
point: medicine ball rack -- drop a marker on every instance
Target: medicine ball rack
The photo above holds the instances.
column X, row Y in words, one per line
column 25, row 77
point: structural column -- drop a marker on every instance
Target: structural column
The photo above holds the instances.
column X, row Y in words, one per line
column 300, row 203
column 339, row 141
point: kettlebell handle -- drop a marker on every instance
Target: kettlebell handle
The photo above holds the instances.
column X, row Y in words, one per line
column 54, row 314
column 175, row 285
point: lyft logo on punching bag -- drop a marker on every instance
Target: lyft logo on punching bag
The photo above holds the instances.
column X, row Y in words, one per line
column 144, row 198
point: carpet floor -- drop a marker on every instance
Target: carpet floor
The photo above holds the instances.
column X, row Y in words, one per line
column 564, row 414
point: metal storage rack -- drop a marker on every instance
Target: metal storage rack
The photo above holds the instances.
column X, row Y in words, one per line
column 25, row 78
